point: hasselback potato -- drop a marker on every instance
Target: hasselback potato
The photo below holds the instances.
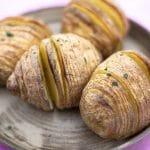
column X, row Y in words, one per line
column 17, row 34
column 100, row 21
column 55, row 72
column 115, row 103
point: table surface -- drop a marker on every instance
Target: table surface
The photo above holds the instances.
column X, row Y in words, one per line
column 137, row 10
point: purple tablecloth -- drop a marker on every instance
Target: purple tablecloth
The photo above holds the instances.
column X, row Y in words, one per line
column 135, row 9
column 4, row 147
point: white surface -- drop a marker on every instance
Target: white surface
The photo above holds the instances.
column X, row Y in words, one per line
column 138, row 10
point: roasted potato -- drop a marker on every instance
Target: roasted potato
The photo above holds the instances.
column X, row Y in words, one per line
column 18, row 34
column 55, row 72
column 115, row 103
column 100, row 21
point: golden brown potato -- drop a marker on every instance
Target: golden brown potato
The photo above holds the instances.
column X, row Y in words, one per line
column 27, row 80
column 18, row 34
column 100, row 21
column 115, row 103
column 55, row 72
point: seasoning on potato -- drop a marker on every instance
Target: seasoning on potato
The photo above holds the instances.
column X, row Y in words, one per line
column 18, row 34
column 55, row 72
column 115, row 103
column 100, row 21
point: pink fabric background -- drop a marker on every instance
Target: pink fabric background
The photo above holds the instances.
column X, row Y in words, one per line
column 138, row 10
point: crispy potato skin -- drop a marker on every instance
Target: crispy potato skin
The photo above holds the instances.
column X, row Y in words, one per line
column 72, row 60
column 17, row 35
column 79, row 59
column 26, row 81
column 104, row 30
column 115, row 103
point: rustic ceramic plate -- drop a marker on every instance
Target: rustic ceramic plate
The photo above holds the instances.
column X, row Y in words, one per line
column 26, row 128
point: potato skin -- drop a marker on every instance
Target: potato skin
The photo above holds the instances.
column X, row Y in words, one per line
column 18, row 34
column 104, row 30
column 79, row 59
column 115, row 103
column 27, row 82
column 72, row 59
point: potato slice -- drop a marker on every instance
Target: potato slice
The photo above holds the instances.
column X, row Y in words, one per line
column 17, row 35
column 108, row 24
column 28, row 82
column 125, row 87
column 61, row 65
column 38, row 26
column 113, row 13
column 123, row 80
column 78, row 57
column 95, row 19
column 139, row 61
column 47, row 75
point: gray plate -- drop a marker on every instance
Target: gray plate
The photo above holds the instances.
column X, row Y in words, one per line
column 24, row 127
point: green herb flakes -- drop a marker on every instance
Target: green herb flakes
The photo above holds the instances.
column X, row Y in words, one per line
column 85, row 60
column 114, row 83
column 9, row 34
column 109, row 74
column 106, row 69
column 125, row 76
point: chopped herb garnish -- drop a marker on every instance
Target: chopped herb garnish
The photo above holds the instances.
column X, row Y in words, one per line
column 109, row 74
column 125, row 76
column 9, row 34
column 114, row 83
column 85, row 60
column 105, row 69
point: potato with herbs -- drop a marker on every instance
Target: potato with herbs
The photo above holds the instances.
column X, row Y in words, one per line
column 18, row 34
column 116, row 102
column 100, row 21
column 55, row 72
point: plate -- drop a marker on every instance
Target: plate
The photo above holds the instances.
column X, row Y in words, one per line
column 23, row 127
